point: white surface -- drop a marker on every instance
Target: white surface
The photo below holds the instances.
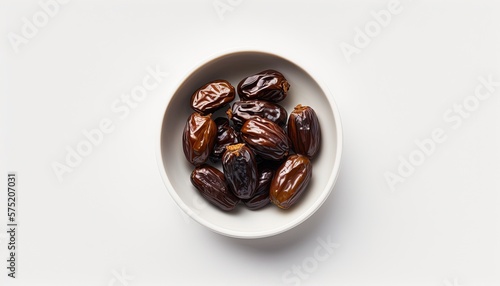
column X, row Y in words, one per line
column 113, row 213
column 175, row 170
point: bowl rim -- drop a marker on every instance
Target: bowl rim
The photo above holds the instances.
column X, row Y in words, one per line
column 254, row 234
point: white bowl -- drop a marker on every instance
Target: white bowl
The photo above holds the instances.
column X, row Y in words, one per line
column 241, row 222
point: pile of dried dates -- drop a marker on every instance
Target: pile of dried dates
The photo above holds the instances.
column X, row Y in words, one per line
column 265, row 153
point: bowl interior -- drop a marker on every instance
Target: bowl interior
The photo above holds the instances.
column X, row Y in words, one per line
column 242, row 222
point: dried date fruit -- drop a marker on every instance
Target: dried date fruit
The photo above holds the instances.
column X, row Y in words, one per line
column 261, row 197
column 240, row 169
column 265, row 138
column 212, row 96
column 243, row 110
column 198, row 138
column 290, row 181
column 226, row 135
column 304, row 131
column 268, row 85
column 211, row 184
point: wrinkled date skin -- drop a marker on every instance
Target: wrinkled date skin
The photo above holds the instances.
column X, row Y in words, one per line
column 290, row 181
column 243, row 110
column 304, row 131
column 267, row 85
column 198, row 138
column 265, row 138
column 226, row 135
column 211, row 184
column 240, row 169
column 212, row 96
column 261, row 197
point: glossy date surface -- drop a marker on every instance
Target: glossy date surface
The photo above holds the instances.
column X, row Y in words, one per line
column 198, row 138
column 240, row 170
column 304, row 131
column 267, row 85
column 212, row 96
column 261, row 197
column 226, row 135
column 243, row 110
column 211, row 184
column 265, row 138
column 290, row 181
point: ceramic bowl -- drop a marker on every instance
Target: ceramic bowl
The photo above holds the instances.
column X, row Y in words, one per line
column 175, row 170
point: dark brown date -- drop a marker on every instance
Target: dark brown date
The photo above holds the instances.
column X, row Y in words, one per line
column 261, row 197
column 268, row 85
column 243, row 110
column 198, row 138
column 226, row 135
column 240, row 169
column 265, row 138
column 211, row 184
column 212, row 96
column 290, row 181
column 304, row 131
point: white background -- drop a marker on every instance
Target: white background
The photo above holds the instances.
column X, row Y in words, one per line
column 112, row 214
